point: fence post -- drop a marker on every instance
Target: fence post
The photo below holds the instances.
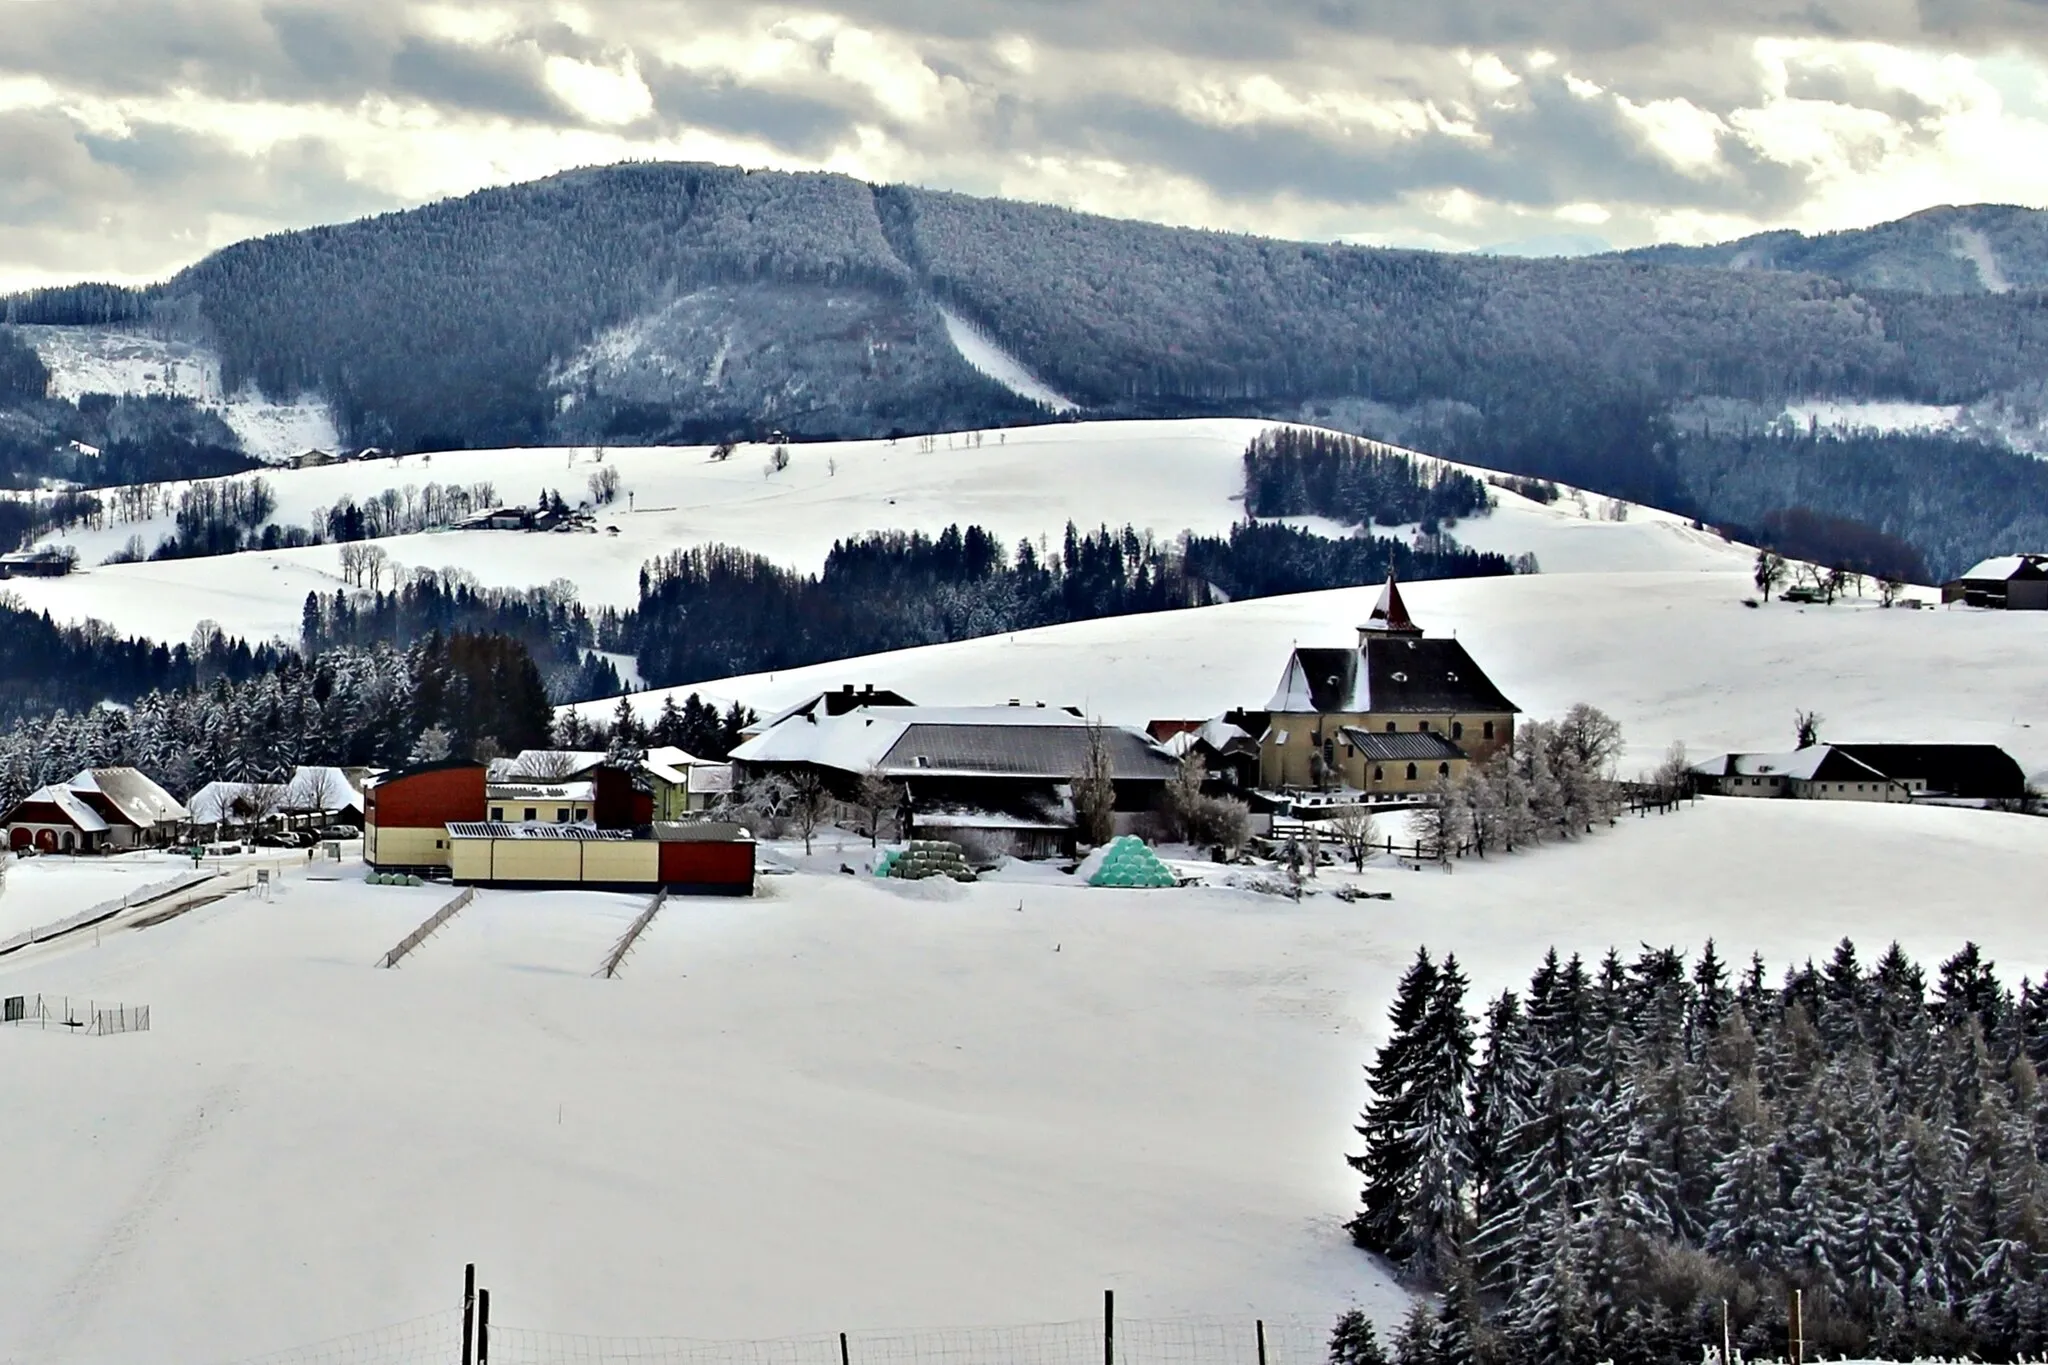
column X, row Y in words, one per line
column 844, row 1357
column 483, row 1327
column 1262, row 1341
column 468, row 1310
column 1109, row 1327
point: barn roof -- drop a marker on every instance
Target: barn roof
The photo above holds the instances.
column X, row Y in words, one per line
column 67, row 804
column 130, row 795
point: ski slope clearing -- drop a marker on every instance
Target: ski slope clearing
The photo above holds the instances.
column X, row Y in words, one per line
column 848, row 1104
column 84, row 360
column 980, row 350
column 1165, row 477
column 1673, row 656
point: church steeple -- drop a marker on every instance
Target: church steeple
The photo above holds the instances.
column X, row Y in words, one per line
column 1390, row 616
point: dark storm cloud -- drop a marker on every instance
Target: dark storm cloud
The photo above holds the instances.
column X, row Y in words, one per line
column 497, row 80
column 1548, row 149
column 793, row 122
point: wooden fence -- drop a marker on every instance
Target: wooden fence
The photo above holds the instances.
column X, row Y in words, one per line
column 425, row 931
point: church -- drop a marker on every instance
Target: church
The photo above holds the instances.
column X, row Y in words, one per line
column 1393, row 715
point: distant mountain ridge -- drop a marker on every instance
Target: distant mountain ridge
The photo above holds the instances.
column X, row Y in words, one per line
column 664, row 303
column 1970, row 249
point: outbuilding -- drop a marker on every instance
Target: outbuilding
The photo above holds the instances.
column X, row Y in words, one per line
column 2003, row 583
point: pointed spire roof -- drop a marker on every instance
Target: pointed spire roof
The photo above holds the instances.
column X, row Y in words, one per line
column 1389, row 615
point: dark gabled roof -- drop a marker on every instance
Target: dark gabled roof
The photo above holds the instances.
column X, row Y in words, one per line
column 1429, row 676
column 1404, row 747
column 1052, row 752
column 1978, row 771
column 1331, row 676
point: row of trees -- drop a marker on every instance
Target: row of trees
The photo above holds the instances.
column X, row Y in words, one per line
column 715, row 611
column 1623, row 1153
column 1292, row 472
column 474, row 695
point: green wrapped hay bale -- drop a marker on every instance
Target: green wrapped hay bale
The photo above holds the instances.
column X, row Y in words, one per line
column 931, row 858
column 1130, row 863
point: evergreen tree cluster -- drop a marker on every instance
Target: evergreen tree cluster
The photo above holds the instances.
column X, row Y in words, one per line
column 715, row 611
column 1619, row 1152
column 696, row 727
column 348, row 706
column 1293, row 472
column 45, row 666
column 549, row 623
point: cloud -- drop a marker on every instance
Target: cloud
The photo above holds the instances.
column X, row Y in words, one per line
column 138, row 136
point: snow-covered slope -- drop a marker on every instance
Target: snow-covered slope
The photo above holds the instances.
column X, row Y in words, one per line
column 84, row 360
column 982, row 351
column 1162, row 476
column 846, row 1105
column 1673, row 656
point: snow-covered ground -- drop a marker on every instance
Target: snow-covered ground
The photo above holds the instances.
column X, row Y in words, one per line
column 1875, row 415
column 84, row 360
column 45, row 890
column 844, row 1105
column 1164, row 476
column 1673, row 656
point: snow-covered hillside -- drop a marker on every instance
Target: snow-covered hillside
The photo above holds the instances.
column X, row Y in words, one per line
column 84, row 360
column 1165, row 477
column 845, row 1105
column 1673, row 656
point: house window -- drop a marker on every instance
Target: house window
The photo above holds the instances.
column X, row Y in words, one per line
column 1489, row 729
column 581, row 814
column 531, row 815
column 1379, row 774
column 1457, row 729
column 1423, row 726
column 497, row 812
column 1390, row 727
column 562, row 816
column 1443, row 770
column 1411, row 772
column 440, row 843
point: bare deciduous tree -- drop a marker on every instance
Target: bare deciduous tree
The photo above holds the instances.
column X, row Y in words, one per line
column 809, row 800
column 877, row 798
column 1354, row 834
column 1095, row 790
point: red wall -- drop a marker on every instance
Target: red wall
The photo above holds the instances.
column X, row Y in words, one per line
column 427, row 800
column 707, row 864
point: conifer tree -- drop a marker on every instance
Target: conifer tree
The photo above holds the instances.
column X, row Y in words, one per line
column 1392, row 1154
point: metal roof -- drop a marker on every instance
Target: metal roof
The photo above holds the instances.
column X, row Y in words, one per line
column 1054, row 752
column 1403, row 747
column 503, row 829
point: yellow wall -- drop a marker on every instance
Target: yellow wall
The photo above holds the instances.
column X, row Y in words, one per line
column 622, row 861
column 1289, row 765
column 547, row 810
column 405, row 847
column 557, row 860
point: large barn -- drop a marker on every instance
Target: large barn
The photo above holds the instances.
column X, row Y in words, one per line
column 99, row 810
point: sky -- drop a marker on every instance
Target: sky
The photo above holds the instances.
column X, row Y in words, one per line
column 137, row 135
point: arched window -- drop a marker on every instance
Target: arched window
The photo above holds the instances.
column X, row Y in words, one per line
column 1457, row 729
column 1423, row 726
column 1411, row 772
column 1443, row 770
column 1379, row 774
column 1390, row 727
column 1489, row 729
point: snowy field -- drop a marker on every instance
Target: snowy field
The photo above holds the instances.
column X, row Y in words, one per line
column 844, row 1105
column 44, row 890
column 1165, row 477
column 1673, row 656
column 84, row 360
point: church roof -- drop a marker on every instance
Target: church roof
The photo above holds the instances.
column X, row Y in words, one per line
column 1388, row 675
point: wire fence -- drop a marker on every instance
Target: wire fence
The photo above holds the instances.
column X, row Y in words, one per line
column 72, row 1014
column 105, row 910
column 1137, row 1341
column 435, row 1339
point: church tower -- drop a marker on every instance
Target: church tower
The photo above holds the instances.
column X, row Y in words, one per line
column 1389, row 619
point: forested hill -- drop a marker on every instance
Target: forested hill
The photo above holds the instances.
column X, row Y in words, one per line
column 653, row 303
column 1976, row 249
column 720, row 298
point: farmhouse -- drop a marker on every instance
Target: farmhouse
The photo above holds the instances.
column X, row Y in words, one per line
column 1008, row 770
column 1395, row 714
column 2004, row 582
column 44, row 563
column 101, row 809
column 318, row 795
column 1868, row 772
